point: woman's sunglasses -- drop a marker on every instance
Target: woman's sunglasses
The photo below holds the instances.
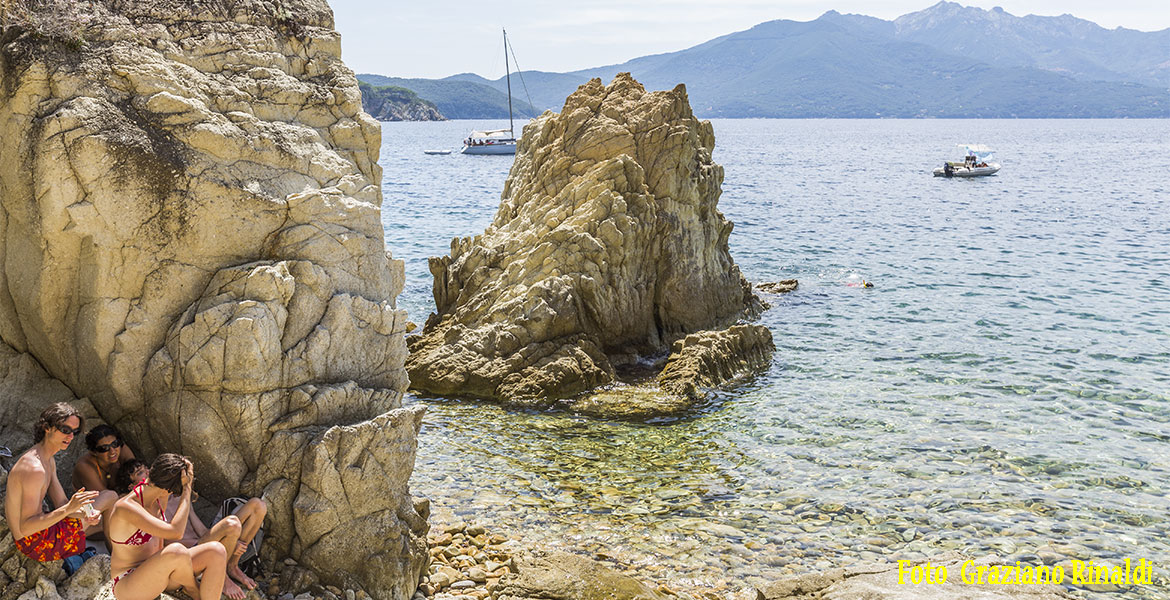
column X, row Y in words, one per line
column 67, row 430
column 108, row 447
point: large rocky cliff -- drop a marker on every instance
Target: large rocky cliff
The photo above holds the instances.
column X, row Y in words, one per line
column 190, row 237
column 392, row 103
column 607, row 247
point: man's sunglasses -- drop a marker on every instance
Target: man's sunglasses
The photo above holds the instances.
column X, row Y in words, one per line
column 107, row 447
column 67, row 430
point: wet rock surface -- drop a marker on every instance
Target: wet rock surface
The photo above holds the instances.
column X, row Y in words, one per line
column 697, row 364
column 778, row 287
column 607, row 247
column 711, row 358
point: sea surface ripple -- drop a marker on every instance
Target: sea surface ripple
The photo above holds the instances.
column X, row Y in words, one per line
column 1003, row 389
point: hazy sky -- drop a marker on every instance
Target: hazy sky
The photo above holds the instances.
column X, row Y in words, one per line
column 436, row 39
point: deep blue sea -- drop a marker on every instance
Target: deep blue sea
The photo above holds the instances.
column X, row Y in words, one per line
column 1003, row 389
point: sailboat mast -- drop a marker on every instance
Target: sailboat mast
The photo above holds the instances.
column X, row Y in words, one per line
column 508, row 76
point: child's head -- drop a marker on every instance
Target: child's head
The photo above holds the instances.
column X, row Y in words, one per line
column 129, row 474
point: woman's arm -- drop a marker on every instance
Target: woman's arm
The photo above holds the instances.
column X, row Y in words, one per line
column 136, row 515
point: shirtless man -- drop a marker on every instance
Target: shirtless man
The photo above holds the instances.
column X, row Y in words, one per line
column 141, row 567
column 59, row 533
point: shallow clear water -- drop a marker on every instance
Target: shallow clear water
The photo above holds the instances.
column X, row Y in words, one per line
column 1004, row 389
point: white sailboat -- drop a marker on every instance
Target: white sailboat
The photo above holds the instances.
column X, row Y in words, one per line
column 496, row 141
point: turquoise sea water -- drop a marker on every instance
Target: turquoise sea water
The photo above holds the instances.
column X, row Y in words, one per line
column 1004, row 389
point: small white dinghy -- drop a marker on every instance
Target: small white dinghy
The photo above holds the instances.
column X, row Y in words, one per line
column 974, row 163
column 436, row 152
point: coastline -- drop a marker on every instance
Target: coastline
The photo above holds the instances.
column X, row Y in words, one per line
column 211, row 275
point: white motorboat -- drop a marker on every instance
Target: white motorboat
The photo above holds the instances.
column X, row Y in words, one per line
column 974, row 163
column 498, row 141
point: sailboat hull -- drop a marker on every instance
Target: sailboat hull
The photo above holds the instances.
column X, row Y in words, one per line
column 501, row 148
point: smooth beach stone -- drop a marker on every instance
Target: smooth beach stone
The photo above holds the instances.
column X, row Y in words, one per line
column 477, row 575
column 440, row 580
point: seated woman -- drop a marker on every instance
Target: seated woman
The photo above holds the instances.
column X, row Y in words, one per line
column 234, row 531
column 96, row 469
column 129, row 474
column 140, row 566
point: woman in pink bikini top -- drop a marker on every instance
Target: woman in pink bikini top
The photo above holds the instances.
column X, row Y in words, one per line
column 141, row 567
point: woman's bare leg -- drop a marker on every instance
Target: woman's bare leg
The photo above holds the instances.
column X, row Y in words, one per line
column 227, row 533
column 168, row 570
column 210, row 561
column 251, row 516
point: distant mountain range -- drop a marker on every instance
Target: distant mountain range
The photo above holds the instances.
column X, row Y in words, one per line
column 945, row 61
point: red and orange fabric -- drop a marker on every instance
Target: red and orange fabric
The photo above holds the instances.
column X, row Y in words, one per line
column 64, row 539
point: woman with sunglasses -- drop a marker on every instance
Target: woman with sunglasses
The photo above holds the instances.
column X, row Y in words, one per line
column 97, row 469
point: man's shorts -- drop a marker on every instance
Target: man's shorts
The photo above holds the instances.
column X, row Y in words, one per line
column 64, row 539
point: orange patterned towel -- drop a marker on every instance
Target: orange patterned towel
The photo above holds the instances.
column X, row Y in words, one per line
column 64, row 539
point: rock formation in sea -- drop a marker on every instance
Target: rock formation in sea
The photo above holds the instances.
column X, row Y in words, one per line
column 697, row 363
column 190, row 238
column 778, row 287
column 709, row 358
column 393, row 103
column 607, row 247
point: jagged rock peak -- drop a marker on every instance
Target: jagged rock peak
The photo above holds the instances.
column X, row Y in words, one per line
column 607, row 247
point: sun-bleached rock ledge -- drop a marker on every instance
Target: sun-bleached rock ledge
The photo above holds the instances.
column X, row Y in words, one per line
column 191, row 238
column 711, row 358
column 607, row 247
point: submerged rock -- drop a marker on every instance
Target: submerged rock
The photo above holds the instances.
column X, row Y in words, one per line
column 697, row 363
column 191, row 238
column 631, row 402
column 607, row 247
column 553, row 575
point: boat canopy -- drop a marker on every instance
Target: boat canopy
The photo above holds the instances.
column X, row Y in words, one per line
column 979, row 151
column 494, row 134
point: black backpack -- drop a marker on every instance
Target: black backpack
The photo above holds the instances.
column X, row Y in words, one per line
column 250, row 560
